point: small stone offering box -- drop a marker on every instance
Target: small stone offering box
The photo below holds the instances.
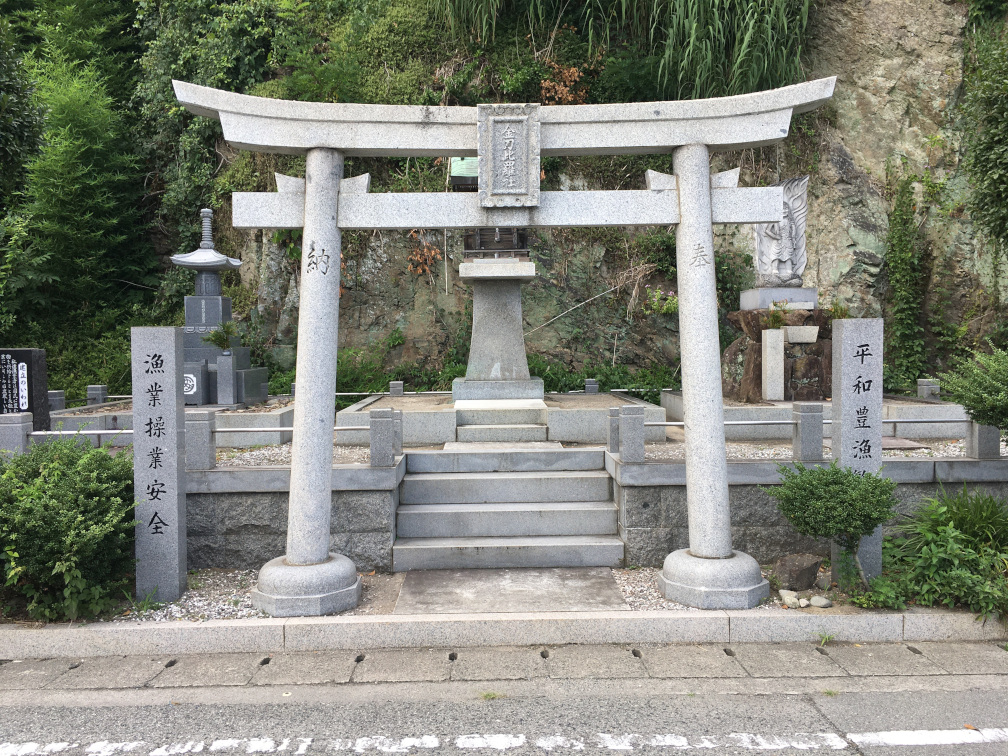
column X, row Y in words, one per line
column 23, row 385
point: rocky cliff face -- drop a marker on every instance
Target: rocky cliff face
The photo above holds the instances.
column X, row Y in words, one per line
column 899, row 65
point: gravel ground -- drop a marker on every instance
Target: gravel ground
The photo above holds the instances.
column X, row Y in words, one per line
column 226, row 594
column 280, row 454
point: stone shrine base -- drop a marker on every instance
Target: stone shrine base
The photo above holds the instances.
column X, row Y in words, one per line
column 732, row 583
column 288, row 590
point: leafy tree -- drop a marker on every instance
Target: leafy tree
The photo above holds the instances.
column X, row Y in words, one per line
column 77, row 225
column 20, row 118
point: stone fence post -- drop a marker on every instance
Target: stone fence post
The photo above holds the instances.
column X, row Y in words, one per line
column 383, row 435
column 983, row 442
column 631, row 434
column 807, row 433
column 591, row 386
column 613, row 441
column 14, row 430
column 200, row 443
column 97, row 394
column 396, row 388
column 397, row 417
column 57, row 400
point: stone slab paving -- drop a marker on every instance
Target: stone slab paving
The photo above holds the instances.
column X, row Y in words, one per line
column 558, row 589
column 209, row 670
column 593, row 662
column 403, row 665
column 512, row 663
column 690, row 661
column 967, row 658
column 786, row 660
column 111, row 672
column 871, row 659
column 307, row 669
column 32, row 674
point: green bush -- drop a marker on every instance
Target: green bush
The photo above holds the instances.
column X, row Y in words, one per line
column 953, row 551
column 66, row 528
column 834, row 502
column 20, row 118
column 904, row 264
column 980, row 384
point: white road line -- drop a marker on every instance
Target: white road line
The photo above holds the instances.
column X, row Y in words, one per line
column 817, row 741
column 497, row 742
column 930, row 737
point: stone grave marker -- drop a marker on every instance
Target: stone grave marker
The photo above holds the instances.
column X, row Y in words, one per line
column 159, row 462
column 23, row 386
column 857, row 412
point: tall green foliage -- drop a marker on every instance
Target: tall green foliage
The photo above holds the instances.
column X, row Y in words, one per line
column 77, row 225
column 703, row 48
column 20, row 118
column 985, row 135
column 904, row 263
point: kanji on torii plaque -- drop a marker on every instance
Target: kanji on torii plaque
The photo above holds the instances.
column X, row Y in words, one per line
column 310, row 580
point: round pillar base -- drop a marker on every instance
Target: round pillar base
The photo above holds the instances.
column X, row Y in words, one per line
column 307, row 590
column 731, row 583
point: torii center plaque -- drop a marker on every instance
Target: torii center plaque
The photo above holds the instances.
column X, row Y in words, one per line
column 509, row 141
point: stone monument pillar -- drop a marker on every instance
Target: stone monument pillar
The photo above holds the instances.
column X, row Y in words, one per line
column 857, row 414
column 709, row 574
column 309, row 579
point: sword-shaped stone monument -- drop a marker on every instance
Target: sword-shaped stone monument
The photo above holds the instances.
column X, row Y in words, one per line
column 310, row 579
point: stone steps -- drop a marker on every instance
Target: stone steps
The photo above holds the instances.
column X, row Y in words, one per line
column 513, row 432
column 505, row 460
column 489, row 552
column 501, row 416
column 505, row 487
column 506, row 519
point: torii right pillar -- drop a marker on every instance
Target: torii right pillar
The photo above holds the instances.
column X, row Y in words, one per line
column 709, row 574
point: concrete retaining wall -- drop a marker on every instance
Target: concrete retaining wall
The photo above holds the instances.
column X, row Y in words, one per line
column 652, row 504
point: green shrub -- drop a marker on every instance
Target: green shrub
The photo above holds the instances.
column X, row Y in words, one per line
column 953, row 551
column 66, row 528
column 834, row 502
column 20, row 118
column 904, row 264
column 980, row 385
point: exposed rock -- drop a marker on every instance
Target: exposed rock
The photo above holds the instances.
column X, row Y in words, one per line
column 804, row 603
column 797, row 572
column 821, row 602
column 791, row 601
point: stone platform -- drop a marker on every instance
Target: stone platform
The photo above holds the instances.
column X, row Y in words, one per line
column 893, row 409
column 434, row 418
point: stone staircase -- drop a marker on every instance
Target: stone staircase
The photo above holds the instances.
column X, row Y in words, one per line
column 513, row 508
column 500, row 420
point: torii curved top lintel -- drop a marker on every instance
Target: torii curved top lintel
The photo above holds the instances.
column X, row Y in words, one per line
column 262, row 124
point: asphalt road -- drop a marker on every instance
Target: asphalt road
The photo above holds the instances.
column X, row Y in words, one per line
column 770, row 703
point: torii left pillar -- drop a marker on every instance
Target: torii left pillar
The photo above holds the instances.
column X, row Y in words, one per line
column 310, row 580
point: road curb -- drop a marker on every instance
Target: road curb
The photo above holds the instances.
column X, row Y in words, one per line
column 472, row 630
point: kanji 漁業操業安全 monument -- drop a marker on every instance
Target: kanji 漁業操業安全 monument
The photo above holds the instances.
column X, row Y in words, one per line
column 509, row 141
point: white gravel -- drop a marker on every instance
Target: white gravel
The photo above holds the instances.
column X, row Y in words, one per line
column 639, row 586
column 213, row 594
column 280, row 455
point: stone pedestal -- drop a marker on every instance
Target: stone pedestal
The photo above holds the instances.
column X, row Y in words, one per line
column 498, row 367
column 796, row 298
column 309, row 580
column 709, row 574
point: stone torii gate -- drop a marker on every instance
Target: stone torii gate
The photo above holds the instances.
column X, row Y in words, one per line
column 509, row 140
